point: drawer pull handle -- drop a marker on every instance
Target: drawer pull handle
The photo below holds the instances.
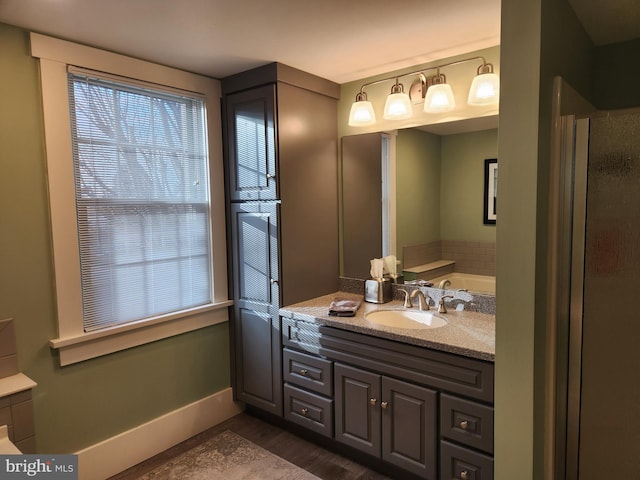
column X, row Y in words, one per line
column 304, row 411
column 303, row 372
column 373, row 401
column 384, row 405
column 464, row 424
column 464, row 475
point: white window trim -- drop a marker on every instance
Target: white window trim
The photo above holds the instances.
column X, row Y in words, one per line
column 73, row 343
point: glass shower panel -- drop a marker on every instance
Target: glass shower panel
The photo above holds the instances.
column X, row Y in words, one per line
column 610, row 390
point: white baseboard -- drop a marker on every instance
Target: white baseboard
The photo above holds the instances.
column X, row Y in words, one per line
column 112, row 456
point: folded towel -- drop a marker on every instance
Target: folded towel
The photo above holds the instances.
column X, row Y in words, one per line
column 344, row 307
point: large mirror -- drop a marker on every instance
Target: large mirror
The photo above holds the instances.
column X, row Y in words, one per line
column 418, row 193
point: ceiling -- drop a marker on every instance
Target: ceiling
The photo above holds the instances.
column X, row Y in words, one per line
column 609, row 21
column 342, row 40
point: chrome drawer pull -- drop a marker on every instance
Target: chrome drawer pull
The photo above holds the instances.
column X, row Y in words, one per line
column 384, row 405
column 464, row 475
column 373, row 401
column 464, row 425
column 304, row 411
column 304, row 372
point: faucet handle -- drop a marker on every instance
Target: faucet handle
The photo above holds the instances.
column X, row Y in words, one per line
column 441, row 306
column 407, row 299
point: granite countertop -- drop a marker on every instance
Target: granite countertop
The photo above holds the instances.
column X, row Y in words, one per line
column 471, row 334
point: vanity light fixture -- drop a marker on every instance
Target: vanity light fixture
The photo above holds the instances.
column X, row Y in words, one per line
column 485, row 87
column 434, row 91
column 398, row 104
column 362, row 113
column 439, row 97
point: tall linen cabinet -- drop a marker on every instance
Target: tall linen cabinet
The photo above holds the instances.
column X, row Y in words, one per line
column 282, row 201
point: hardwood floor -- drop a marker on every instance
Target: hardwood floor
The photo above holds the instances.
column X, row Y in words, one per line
column 322, row 463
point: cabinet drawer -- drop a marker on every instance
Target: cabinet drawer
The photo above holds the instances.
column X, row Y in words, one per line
column 467, row 422
column 458, row 463
column 308, row 410
column 307, row 371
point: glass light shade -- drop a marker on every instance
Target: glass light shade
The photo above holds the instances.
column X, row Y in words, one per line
column 485, row 89
column 397, row 107
column 361, row 114
column 439, row 98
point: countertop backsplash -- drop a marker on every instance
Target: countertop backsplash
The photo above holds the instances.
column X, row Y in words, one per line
column 478, row 303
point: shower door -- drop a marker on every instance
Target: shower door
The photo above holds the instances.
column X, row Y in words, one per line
column 603, row 434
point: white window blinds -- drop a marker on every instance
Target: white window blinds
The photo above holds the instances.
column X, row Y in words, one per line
column 142, row 200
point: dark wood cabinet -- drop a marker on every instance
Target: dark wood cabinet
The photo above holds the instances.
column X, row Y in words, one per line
column 257, row 349
column 251, row 144
column 425, row 412
column 409, row 427
column 358, row 415
column 458, row 463
column 281, row 176
column 387, row 418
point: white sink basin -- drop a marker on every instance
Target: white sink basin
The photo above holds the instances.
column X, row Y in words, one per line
column 406, row 319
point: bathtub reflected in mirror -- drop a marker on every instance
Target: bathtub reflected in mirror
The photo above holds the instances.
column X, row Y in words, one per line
column 483, row 284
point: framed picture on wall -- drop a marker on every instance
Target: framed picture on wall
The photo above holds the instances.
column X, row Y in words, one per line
column 490, row 190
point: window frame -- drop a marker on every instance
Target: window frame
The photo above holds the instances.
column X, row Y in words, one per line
column 75, row 345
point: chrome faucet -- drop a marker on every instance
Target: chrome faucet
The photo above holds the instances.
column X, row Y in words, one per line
column 423, row 303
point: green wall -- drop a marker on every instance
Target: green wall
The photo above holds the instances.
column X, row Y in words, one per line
column 539, row 39
column 462, row 185
column 81, row 404
column 440, row 186
column 417, row 188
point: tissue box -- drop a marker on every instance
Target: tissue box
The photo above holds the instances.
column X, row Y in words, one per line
column 378, row 290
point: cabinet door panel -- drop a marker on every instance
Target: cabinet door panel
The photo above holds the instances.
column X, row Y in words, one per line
column 409, row 426
column 258, row 360
column 357, row 407
column 255, row 256
column 256, row 332
column 251, row 148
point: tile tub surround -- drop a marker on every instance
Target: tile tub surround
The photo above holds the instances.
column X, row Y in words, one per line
column 478, row 258
column 470, row 334
column 16, row 402
column 8, row 348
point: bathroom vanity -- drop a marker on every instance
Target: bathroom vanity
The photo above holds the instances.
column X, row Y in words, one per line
column 418, row 399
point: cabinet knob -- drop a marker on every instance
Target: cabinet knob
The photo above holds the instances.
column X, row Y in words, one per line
column 303, row 372
column 270, row 176
column 384, row 405
column 273, row 281
column 464, row 424
column 464, row 475
column 304, row 411
column 373, row 401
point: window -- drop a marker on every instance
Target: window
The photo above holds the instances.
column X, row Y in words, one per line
column 139, row 162
column 142, row 203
